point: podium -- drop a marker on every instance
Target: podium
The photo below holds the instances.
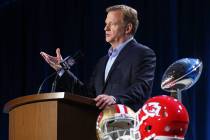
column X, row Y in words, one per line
column 52, row 116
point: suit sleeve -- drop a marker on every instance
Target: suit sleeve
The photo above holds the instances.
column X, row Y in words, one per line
column 68, row 84
column 142, row 77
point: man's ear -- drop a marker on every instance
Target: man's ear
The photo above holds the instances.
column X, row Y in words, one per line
column 129, row 28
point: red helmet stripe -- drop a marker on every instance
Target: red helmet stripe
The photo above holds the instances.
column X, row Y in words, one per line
column 117, row 108
column 125, row 108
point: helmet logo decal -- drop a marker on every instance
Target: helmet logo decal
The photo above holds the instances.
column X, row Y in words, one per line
column 152, row 109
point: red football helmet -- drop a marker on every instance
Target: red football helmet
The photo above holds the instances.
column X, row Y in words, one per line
column 163, row 118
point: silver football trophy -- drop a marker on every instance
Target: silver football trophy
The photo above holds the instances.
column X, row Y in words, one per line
column 181, row 75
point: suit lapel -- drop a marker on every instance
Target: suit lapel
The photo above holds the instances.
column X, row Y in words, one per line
column 103, row 67
column 119, row 58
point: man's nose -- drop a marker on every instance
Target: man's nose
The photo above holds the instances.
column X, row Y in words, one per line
column 106, row 28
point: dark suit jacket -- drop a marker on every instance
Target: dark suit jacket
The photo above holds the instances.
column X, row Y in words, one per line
column 130, row 78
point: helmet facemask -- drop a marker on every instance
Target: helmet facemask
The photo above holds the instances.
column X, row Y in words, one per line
column 119, row 126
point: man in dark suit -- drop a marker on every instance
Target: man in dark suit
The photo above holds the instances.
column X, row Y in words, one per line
column 125, row 75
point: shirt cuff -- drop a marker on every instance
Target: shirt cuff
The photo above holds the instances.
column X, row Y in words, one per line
column 60, row 72
column 115, row 100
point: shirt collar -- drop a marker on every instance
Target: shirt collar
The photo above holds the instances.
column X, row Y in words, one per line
column 115, row 51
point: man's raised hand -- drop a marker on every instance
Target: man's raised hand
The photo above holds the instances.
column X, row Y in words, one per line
column 53, row 61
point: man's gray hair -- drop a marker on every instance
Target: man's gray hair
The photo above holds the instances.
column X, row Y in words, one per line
column 130, row 15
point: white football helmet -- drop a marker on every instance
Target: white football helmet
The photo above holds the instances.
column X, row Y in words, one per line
column 117, row 122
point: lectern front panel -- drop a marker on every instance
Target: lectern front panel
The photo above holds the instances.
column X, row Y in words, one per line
column 35, row 121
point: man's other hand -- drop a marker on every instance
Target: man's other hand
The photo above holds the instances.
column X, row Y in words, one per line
column 104, row 100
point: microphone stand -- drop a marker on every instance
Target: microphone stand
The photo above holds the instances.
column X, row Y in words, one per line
column 54, row 83
column 48, row 77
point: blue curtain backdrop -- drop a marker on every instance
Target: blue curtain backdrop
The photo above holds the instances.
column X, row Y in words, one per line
column 174, row 29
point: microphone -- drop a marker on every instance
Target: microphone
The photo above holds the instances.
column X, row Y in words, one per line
column 48, row 77
column 68, row 62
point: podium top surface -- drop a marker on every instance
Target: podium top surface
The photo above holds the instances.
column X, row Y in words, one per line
column 61, row 96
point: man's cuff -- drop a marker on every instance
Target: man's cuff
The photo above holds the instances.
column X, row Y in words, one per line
column 60, row 72
column 115, row 100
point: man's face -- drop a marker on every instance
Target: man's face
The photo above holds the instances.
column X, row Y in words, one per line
column 114, row 28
